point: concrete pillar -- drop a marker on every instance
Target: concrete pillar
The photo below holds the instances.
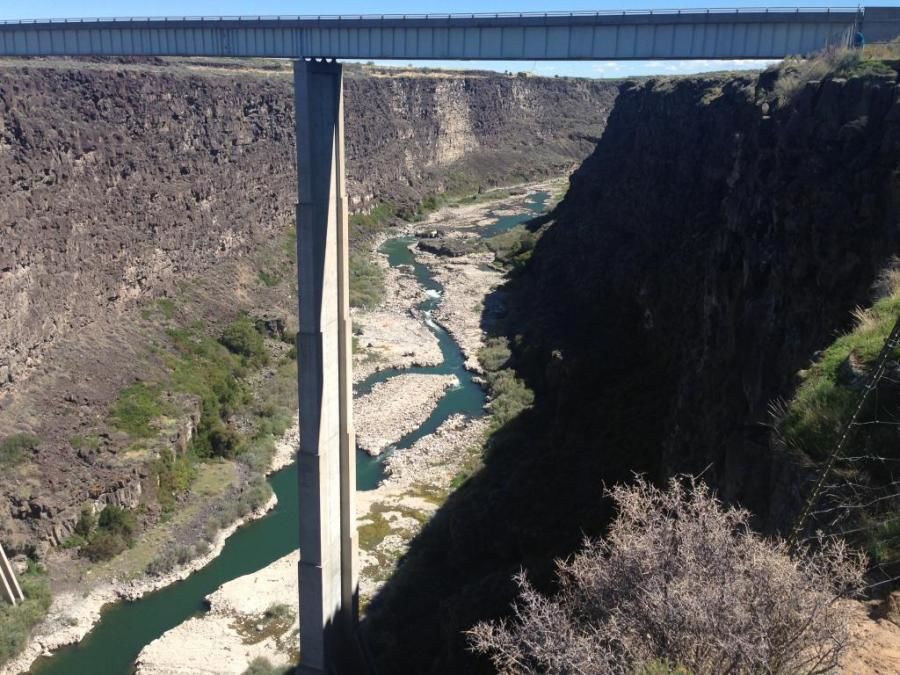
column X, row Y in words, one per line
column 9, row 585
column 327, row 467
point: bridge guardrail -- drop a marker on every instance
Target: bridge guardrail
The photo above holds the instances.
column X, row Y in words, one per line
column 477, row 15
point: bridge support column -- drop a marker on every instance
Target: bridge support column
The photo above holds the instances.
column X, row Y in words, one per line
column 327, row 461
column 9, row 585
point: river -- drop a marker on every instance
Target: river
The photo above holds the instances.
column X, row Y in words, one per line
column 126, row 627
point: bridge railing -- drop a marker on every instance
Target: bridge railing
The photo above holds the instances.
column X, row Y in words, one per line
column 476, row 15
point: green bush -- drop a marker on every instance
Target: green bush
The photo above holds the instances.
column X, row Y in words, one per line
column 104, row 545
column 510, row 396
column 13, row 448
column 16, row 622
column 514, row 247
column 495, row 353
column 114, row 533
column 366, row 282
column 117, row 520
column 242, row 338
column 175, row 475
column 86, row 522
column 136, row 408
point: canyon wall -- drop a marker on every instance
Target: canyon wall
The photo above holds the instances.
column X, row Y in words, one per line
column 720, row 233
column 118, row 179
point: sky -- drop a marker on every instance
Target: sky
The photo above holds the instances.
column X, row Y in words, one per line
column 41, row 9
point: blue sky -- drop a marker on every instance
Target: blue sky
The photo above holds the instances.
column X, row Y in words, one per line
column 36, row 9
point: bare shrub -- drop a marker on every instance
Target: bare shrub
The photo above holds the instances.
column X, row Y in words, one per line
column 684, row 582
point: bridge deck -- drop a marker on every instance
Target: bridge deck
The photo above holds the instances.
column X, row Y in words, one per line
column 675, row 34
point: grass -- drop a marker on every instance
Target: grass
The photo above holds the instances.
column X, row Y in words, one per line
column 269, row 279
column 13, row 448
column 136, row 408
column 822, row 402
column 163, row 308
column 16, row 622
column 366, row 281
column 88, row 442
column 375, row 219
column 794, row 72
column 811, row 422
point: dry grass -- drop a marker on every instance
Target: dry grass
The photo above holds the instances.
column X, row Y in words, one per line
column 795, row 72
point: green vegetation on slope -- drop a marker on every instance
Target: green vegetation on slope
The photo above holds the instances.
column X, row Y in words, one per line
column 513, row 248
column 811, row 422
column 136, row 408
column 366, row 281
column 794, row 72
column 16, row 622
column 13, row 448
column 823, row 401
column 509, row 394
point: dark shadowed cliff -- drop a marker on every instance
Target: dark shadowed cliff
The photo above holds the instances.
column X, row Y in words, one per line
column 714, row 240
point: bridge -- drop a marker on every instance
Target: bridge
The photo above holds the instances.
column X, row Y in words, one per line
column 328, row 542
column 660, row 34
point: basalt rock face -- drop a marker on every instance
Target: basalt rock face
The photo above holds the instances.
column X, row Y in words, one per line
column 713, row 241
column 766, row 224
column 115, row 180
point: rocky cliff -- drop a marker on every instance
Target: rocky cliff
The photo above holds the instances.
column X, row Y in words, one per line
column 720, row 233
column 124, row 182
column 116, row 179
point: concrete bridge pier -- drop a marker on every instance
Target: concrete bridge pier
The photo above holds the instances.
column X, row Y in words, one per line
column 327, row 467
column 9, row 585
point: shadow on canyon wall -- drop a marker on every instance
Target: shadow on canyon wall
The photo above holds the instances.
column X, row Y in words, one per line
column 715, row 239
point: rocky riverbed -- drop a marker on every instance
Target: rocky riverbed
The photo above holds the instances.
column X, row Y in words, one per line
column 397, row 407
column 245, row 620
column 393, row 335
column 253, row 616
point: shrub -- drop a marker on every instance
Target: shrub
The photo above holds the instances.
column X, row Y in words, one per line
column 261, row 666
column 86, row 522
column 495, row 353
column 794, row 73
column 175, row 475
column 510, row 395
column 13, row 448
column 681, row 579
column 117, row 520
column 366, row 282
column 242, row 338
column 104, row 545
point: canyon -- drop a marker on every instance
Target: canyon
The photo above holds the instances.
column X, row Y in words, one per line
column 124, row 180
column 718, row 232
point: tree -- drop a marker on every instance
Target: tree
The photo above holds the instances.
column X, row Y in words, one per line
column 683, row 582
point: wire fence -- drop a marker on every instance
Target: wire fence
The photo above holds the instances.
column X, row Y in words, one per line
column 856, row 492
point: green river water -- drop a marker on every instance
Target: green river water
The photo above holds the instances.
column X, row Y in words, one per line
column 126, row 627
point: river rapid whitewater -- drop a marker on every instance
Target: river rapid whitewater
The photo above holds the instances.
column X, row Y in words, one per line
column 127, row 627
